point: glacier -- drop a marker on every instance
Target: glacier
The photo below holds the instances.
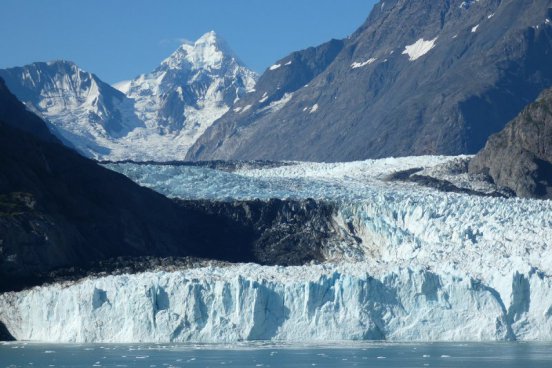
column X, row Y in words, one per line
column 310, row 303
column 428, row 266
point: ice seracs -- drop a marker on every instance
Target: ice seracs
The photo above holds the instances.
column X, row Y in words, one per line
column 250, row 302
column 419, row 48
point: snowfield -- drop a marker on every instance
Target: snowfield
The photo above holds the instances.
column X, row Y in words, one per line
column 430, row 266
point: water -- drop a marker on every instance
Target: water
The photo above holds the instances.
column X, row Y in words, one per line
column 389, row 355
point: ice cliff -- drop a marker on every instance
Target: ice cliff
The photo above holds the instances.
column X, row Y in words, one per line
column 250, row 302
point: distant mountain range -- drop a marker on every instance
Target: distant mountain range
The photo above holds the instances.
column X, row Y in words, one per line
column 156, row 116
column 418, row 77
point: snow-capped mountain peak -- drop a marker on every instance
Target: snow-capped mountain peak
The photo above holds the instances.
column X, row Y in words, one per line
column 77, row 102
column 192, row 88
column 208, row 52
column 156, row 116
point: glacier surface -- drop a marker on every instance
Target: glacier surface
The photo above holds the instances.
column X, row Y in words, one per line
column 429, row 266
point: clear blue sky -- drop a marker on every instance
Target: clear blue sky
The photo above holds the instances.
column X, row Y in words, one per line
column 119, row 39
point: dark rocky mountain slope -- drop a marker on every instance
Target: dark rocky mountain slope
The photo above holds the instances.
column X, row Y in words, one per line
column 419, row 77
column 61, row 210
column 520, row 156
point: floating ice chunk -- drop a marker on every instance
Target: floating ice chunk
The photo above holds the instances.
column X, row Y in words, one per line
column 419, row 48
column 360, row 64
column 275, row 66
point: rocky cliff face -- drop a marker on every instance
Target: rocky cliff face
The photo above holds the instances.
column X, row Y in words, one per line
column 520, row 156
column 419, row 77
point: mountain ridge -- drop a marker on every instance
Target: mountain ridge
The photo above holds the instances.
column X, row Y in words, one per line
column 418, row 77
column 157, row 118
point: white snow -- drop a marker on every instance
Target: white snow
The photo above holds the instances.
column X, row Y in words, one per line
column 193, row 85
column 246, row 108
column 264, row 98
column 360, row 64
column 430, row 266
column 314, row 108
column 123, row 86
column 466, row 4
column 547, row 21
column 288, row 63
column 490, row 16
column 474, row 29
column 419, row 48
column 275, row 66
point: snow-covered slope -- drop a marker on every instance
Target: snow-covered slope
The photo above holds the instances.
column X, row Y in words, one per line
column 429, row 266
column 182, row 97
column 156, row 116
column 82, row 110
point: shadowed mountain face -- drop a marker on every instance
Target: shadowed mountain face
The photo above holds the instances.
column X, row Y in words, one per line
column 59, row 210
column 419, row 77
column 520, row 156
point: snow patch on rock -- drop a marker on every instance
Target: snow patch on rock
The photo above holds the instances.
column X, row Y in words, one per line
column 360, row 64
column 419, row 48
